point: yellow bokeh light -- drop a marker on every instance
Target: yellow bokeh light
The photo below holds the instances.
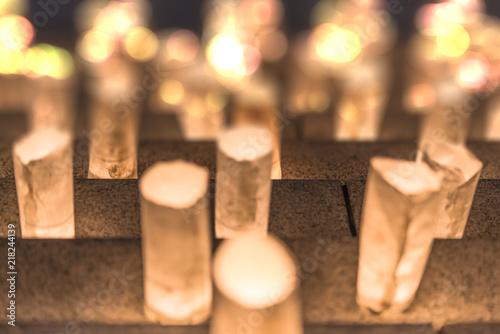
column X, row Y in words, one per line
column 473, row 73
column 96, row 46
column 47, row 60
column 12, row 61
column 454, row 42
column 117, row 18
column 141, row 44
column 335, row 44
column 172, row 92
column 16, row 32
column 225, row 52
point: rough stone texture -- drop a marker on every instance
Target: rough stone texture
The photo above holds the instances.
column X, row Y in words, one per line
column 299, row 160
column 472, row 329
column 483, row 222
column 344, row 161
column 110, row 208
column 9, row 210
column 101, row 281
column 107, row 209
column 204, row 329
column 308, row 208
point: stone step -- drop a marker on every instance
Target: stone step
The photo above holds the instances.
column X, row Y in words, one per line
column 484, row 217
column 204, row 329
column 300, row 160
column 100, row 282
column 110, row 208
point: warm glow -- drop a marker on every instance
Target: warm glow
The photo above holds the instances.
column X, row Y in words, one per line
column 183, row 45
column 334, row 44
column 454, row 42
column 225, row 52
column 16, row 32
column 434, row 19
column 420, row 96
column 11, row 61
column 348, row 112
column 473, row 73
column 254, row 272
column 272, row 44
column 141, row 44
column 246, row 143
column 12, row 7
column 96, row 46
column 47, row 60
column 117, row 18
column 172, row 92
column 250, row 62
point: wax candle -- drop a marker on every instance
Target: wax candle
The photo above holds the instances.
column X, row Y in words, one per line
column 397, row 232
column 243, row 191
column 256, row 282
column 176, row 243
column 43, row 169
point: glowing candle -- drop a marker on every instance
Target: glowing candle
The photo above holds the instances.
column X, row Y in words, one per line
column 43, row 169
column 243, row 191
column 176, row 243
column 397, row 232
column 114, row 117
column 257, row 104
column 256, row 280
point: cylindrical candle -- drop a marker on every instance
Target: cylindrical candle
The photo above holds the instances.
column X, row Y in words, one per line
column 114, row 118
column 257, row 104
column 43, row 170
column 243, row 191
column 397, row 232
column 256, row 282
column 176, row 243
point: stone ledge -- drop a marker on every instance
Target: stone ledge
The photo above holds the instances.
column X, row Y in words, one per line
column 110, row 208
column 300, row 160
column 66, row 280
column 484, row 216
column 472, row 329
column 203, row 329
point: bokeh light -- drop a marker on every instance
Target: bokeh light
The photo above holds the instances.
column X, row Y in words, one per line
column 419, row 96
column 47, row 60
column 96, row 46
column 225, row 52
column 18, row 7
column 182, row 45
column 16, row 32
column 454, row 42
column 272, row 44
column 172, row 92
column 334, row 44
column 473, row 73
column 117, row 18
column 141, row 44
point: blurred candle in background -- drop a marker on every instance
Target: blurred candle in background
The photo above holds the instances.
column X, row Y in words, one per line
column 176, row 243
column 258, row 104
column 243, row 192
column 43, row 168
column 257, row 285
